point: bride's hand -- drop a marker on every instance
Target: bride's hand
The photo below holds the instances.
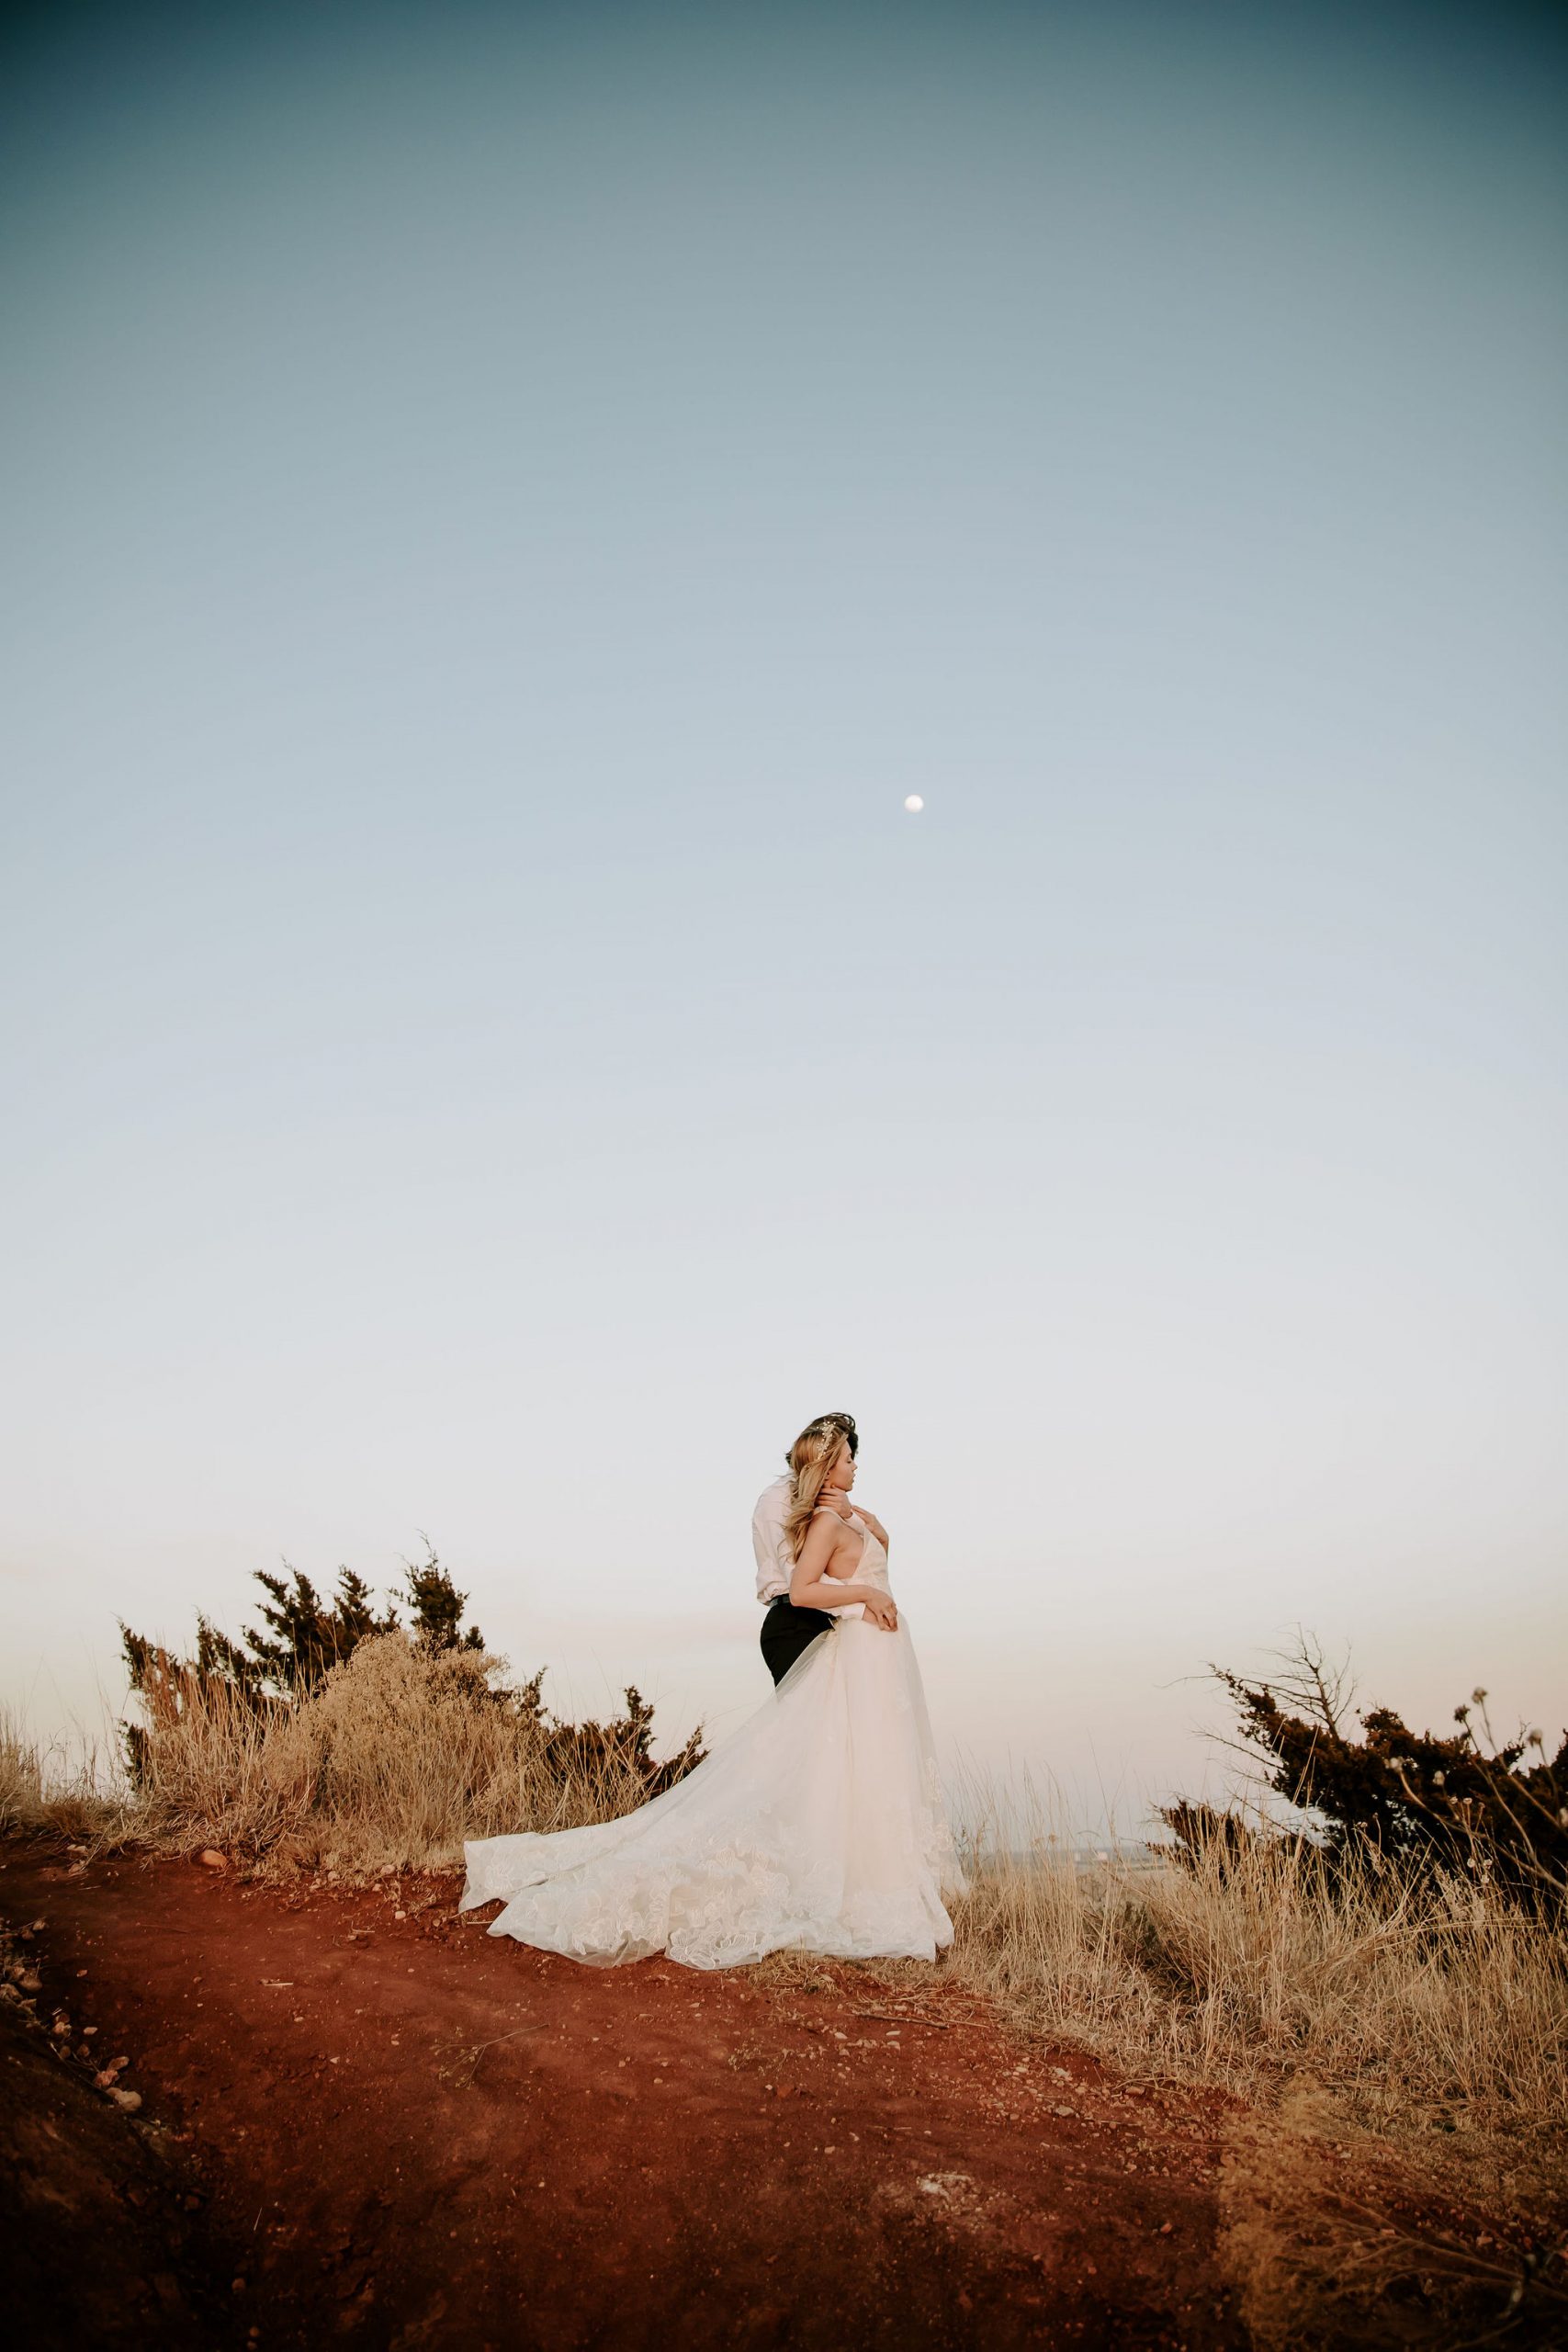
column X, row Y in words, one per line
column 881, row 1610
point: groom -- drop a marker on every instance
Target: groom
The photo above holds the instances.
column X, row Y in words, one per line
column 786, row 1630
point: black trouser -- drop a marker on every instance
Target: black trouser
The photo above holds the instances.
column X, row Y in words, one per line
column 786, row 1632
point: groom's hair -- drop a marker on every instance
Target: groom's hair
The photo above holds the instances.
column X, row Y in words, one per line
column 844, row 1422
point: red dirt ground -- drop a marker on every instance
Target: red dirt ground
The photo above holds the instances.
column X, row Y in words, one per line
column 398, row 2131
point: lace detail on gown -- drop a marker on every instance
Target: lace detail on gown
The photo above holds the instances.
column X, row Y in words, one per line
column 818, row 1826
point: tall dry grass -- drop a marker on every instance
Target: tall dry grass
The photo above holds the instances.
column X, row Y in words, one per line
column 1430, row 2006
column 51, row 1789
column 401, row 1754
column 21, row 1778
column 1390, row 2043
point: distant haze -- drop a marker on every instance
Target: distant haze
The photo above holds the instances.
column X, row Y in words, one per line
column 502, row 510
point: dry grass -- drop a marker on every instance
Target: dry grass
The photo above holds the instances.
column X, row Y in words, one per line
column 1436, row 2012
column 1330, row 2247
column 39, row 1790
column 1395, row 2053
column 401, row 1754
column 21, row 1778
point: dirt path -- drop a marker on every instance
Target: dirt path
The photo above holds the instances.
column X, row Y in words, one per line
column 407, row 2133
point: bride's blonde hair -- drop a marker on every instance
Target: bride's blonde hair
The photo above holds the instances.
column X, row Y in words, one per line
column 811, row 1457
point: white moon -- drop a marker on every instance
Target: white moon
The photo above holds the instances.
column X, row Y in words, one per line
column 914, row 804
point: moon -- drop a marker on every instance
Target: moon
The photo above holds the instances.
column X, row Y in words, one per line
column 914, row 804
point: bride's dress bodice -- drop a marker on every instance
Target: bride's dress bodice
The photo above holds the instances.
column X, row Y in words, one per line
column 871, row 1566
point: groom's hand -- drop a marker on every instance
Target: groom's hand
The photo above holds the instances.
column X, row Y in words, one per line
column 835, row 1500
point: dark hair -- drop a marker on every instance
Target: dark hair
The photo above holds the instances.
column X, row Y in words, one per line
column 844, row 1422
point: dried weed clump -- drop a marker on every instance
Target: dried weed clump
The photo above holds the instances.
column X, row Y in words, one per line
column 21, row 1778
column 337, row 1733
column 40, row 1790
column 395, row 1757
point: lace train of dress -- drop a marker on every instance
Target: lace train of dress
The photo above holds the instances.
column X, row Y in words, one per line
column 818, row 1825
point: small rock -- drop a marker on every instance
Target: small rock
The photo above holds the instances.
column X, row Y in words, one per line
column 211, row 1860
column 130, row 2100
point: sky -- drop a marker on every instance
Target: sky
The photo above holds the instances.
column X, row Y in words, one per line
column 502, row 507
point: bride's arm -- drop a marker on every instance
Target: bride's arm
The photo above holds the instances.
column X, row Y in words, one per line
column 809, row 1586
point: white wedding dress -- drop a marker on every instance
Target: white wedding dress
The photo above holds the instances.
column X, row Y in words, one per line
column 818, row 1825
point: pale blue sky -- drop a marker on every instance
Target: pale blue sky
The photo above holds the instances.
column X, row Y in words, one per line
column 501, row 508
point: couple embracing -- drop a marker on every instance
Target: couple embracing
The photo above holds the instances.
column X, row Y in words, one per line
column 818, row 1825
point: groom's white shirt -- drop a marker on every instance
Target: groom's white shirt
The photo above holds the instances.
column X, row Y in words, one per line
column 776, row 1564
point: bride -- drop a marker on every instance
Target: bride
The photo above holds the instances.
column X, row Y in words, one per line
column 818, row 1826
